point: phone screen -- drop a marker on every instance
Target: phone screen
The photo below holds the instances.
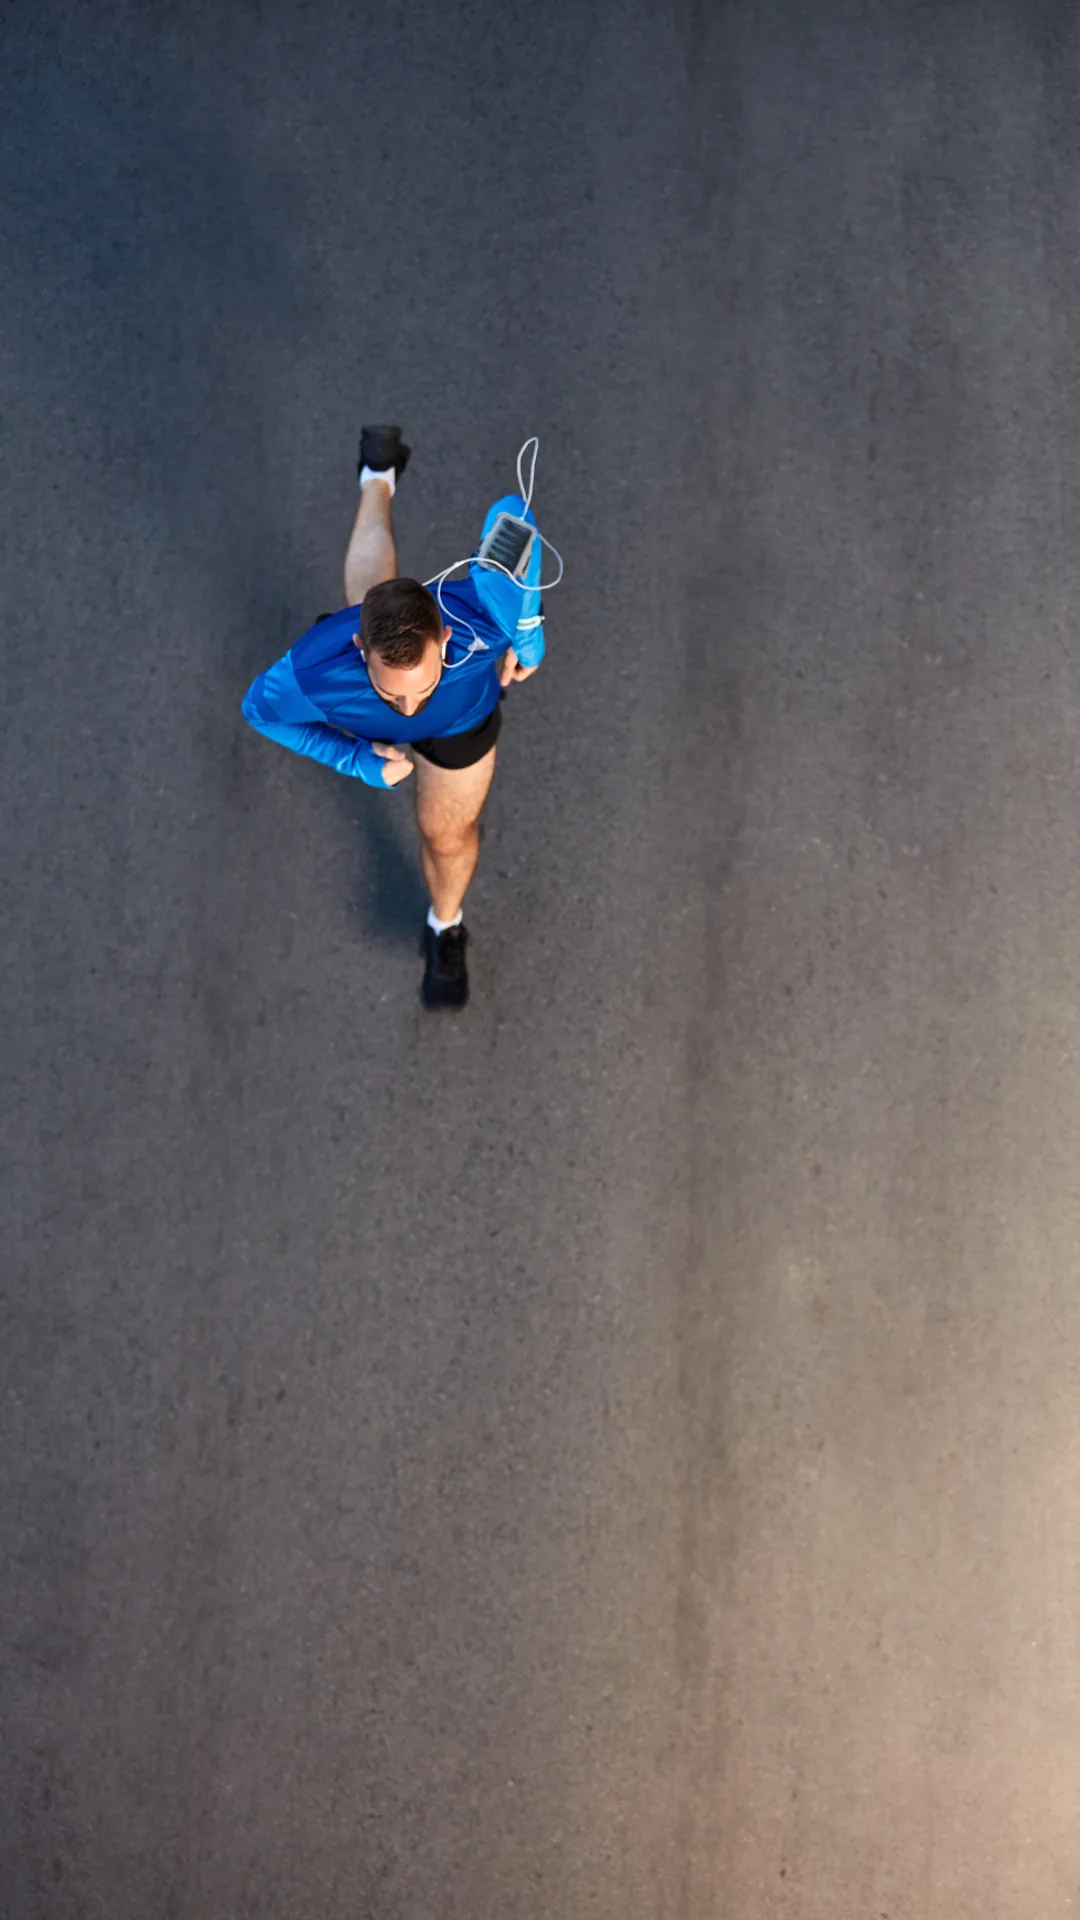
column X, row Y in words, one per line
column 508, row 543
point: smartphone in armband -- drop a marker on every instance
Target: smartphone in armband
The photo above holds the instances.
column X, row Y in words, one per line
column 510, row 542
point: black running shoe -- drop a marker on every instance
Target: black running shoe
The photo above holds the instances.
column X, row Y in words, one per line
column 380, row 449
column 446, row 977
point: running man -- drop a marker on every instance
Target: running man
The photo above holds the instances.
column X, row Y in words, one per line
column 388, row 687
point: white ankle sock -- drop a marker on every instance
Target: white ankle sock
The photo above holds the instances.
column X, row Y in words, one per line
column 371, row 473
column 440, row 926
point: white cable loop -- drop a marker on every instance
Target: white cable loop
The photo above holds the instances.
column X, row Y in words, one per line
column 535, row 445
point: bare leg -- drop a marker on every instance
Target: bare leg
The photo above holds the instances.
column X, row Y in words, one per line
column 448, row 870
column 372, row 555
column 448, row 807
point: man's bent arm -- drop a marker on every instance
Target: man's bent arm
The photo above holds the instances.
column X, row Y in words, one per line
column 275, row 706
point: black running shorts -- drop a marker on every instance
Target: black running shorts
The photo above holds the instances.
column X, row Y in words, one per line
column 457, row 750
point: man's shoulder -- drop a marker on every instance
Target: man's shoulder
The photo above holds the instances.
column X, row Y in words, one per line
column 330, row 634
column 328, row 649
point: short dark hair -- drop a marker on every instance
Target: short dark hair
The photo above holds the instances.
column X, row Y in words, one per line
column 398, row 619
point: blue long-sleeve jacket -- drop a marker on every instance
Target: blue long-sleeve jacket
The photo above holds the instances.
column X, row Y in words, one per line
column 318, row 700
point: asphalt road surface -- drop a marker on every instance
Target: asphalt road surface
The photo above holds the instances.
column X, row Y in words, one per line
column 614, row 1455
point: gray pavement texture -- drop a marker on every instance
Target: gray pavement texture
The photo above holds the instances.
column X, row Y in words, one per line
column 615, row 1454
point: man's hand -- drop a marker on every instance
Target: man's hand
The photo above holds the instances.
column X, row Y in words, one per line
column 510, row 668
column 399, row 765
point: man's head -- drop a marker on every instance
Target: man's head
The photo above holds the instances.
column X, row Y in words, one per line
column 401, row 641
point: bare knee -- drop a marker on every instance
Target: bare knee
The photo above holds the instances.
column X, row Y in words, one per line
column 447, row 839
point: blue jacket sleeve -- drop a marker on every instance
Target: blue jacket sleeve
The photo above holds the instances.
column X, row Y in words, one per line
column 275, row 706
